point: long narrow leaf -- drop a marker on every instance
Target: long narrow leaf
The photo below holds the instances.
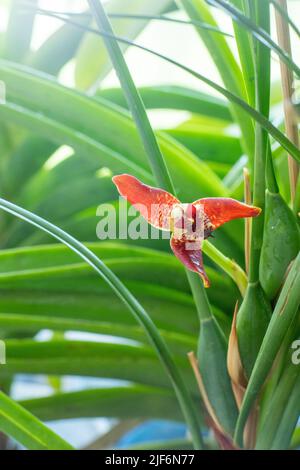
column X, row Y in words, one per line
column 18, row 423
column 283, row 315
column 257, row 32
column 265, row 123
column 123, row 293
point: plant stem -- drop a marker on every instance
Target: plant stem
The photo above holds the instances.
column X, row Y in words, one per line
column 157, row 163
column 228, row 265
column 291, row 126
column 248, row 225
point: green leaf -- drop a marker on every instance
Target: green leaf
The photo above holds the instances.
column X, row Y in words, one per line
column 67, row 110
column 129, row 300
column 258, row 32
column 212, row 360
column 123, row 402
column 276, row 430
column 19, row 31
column 92, row 61
column 131, row 362
column 50, row 57
column 284, row 313
column 20, row 424
column 173, row 97
column 243, row 42
column 277, row 251
column 226, row 64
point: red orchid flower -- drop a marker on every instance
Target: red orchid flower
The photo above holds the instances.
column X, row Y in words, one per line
column 190, row 223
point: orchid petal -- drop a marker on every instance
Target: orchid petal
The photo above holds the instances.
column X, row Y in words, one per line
column 190, row 254
column 154, row 204
column 222, row 210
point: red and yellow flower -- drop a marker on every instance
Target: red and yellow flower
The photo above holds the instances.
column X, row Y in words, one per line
column 190, row 223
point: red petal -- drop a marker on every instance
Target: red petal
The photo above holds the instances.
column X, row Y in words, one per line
column 220, row 210
column 154, row 204
column 190, row 254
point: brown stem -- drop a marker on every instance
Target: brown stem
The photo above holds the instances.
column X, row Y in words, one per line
column 284, row 41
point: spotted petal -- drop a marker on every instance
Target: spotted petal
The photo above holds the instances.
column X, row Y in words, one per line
column 154, row 204
column 221, row 210
column 190, row 254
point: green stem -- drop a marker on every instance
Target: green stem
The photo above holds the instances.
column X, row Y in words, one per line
column 130, row 301
column 228, row 265
column 134, row 100
column 200, row 297
column 153, row 152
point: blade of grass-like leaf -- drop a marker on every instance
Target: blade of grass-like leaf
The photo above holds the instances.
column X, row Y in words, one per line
column 227, row 66
column 123, row 402
column 141, row 17
column 18, row 423
column 20, row 166
column 19, row 31
column 133, row 305
column 265, row 123
column 245, row 53
column 290, row 419
column 228, row 265
column 62, row 117
column 50, row 57
column 257, row 32
column 122, row 361
column 225, row 407
column 295, row 444
column 92, row 60
column 291, row 124
column 284, row 313
column 177, row 342
column 156, row 160
column 262, row 84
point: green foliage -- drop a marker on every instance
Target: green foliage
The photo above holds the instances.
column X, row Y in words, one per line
column 137, row 291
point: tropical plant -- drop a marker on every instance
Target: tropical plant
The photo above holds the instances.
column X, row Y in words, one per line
column 60, row 146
